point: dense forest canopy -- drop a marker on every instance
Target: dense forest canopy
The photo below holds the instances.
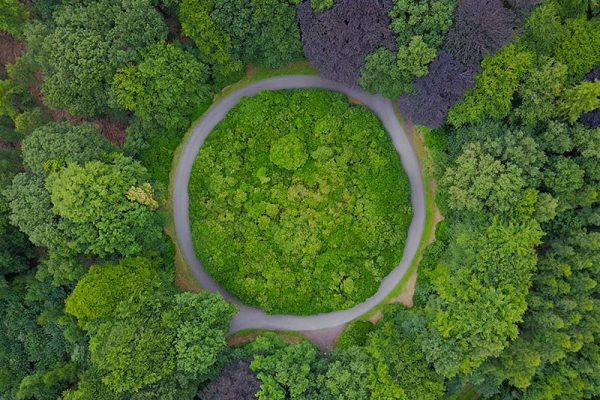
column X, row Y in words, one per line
column 283, row 200
column 96, row 95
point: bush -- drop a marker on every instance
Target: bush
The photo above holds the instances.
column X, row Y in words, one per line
column 299, row 203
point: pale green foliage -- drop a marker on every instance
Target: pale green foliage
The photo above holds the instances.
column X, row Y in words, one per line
column 288, row 152
column 100, row 291
column 321, row 5
column 479, row 181
column 580, row 99
column 494, row 87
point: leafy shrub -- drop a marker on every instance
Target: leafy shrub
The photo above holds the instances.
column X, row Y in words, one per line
column 298, row 202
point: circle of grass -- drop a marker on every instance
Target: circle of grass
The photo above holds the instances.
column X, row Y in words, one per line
column 298, row 202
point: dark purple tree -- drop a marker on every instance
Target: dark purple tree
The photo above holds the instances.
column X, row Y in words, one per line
column 480, row 27
column 522, row 7
column 437, row 91
column 236, row 382
column 592, row 118
column 338, row 40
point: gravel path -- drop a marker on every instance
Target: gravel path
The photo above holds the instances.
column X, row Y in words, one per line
column 253, row 318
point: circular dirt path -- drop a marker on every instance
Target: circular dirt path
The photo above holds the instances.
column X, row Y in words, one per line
column 253, row 318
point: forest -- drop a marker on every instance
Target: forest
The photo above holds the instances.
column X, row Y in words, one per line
column 97, row 97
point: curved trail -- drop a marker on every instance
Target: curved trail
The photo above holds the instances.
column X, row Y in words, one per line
column 253, row 318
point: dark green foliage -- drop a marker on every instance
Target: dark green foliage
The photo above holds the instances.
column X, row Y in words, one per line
column 88, row 42
column 42, row 349
column 13, row 16
column 55, row 145
column 288, row 213
column 168, row 87
column 262, row 31
column 355, row 334
column 211, row 39
column 400, row 370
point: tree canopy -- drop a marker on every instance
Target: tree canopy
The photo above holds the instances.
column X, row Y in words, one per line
column 287, row 210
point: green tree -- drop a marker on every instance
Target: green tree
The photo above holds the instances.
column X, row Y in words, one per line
column 430, row 19
column 541, row 90
column 148, row 339
column 56, row 144
column 399, row 370
column 392, row 74
column 485, row 269
column 494, row 88
column 90, row 40
column 212, row 40
column 580, row 99
column 96, row 213
column 13, row 16
column 543, row 29
column 262, row 31
column 347, row 375
column 168, row 87
column 578, row 47
column 287, row 371
column 42, row 349
column 478, row 182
